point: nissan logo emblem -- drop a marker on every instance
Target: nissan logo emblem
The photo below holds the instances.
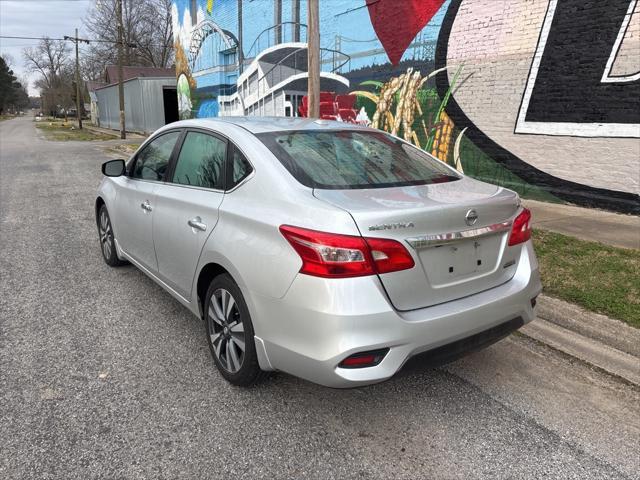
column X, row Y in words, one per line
column 471, row 217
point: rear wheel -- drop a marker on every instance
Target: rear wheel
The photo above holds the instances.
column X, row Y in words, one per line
column 230, row 333
column 107, row 242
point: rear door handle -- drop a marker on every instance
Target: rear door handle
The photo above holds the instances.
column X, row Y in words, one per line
column 146, row 206
column 197, row 224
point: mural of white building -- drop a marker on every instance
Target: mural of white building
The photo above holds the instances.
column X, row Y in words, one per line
column 541, row 96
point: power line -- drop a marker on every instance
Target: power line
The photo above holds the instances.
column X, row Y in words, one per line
column 41, row 1
column 29, row 38
column 88, row 40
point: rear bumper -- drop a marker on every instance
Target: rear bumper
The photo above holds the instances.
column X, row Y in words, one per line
column 320, row 322
column 458, row 349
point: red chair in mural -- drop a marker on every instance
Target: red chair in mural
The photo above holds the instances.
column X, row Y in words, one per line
column 304, row 107
column 332, row 106
column 347, row 107
column 328, row 106
column 327, row 97
column 346, row 101
column 328, row 110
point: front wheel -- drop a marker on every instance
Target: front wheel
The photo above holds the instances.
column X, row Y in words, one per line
column 107, row 242
column 230, row 333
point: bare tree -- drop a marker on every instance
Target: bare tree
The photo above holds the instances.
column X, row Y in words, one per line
column 147, row 33
column 155, row 38
column 50, row 59
column 47, row 59
column 92, row 65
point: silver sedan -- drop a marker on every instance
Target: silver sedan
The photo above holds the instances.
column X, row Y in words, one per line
column 329, row 251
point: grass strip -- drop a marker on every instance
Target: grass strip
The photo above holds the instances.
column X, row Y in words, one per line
column 64, row 131
column 598, row 277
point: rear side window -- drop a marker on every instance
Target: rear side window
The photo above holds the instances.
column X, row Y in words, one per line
column 152, row 161
column 240, row 167
column 346, row 159
column 201, row 161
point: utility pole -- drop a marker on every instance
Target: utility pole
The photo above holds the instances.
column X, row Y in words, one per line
column 123, row 133
column 78, row 109
column 77, row 40
column 277, row 21
column 313, row 56
column 240, row 51
column 295, row 14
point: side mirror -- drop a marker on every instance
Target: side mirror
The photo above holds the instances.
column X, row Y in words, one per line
column 113, row 168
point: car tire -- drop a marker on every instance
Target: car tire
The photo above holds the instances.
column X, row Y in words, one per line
column 107, row 240
column 230, row 333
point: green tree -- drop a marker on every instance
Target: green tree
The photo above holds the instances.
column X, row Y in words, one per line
column 20, row 100
column 8, row 85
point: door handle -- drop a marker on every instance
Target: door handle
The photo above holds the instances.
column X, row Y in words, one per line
column 197, row 224
column 146, row 206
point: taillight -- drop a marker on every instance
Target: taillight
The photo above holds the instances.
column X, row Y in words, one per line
column 340, row 256
column 389, row 255
column 521, row 230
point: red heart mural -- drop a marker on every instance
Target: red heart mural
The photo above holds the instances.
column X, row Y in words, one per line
column 397, row 22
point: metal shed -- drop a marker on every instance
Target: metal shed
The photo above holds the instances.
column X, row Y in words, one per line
column 149, row 103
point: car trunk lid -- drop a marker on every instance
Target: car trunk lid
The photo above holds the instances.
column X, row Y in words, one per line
column 457, row 233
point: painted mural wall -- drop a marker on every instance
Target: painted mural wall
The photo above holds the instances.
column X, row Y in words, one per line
column 542, row 96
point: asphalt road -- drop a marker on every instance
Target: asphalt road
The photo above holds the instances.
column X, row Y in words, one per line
column 104, row 375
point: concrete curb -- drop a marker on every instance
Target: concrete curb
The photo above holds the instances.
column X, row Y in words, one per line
column 611, row 332
column 609, row 359
column 598, row 340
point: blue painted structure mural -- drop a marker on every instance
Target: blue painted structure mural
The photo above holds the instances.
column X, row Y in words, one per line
column 467, row 80
column 210, row 44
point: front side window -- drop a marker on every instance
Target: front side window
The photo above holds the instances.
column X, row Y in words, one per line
column 201, row 161
column 346, row 159
column 152, row 161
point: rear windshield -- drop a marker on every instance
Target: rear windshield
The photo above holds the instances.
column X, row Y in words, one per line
column 345, row 159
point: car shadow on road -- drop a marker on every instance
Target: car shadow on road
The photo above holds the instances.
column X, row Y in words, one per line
column 423, row 412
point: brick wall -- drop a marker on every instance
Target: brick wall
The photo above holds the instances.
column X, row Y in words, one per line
column 562, row 119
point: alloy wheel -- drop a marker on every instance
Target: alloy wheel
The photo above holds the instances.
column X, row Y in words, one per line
column 106, row 234
column 226, row 330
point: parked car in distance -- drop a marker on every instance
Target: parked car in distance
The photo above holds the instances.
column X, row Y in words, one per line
column 326, row 250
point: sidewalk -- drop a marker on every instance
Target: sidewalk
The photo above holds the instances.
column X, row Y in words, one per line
column 591, row 224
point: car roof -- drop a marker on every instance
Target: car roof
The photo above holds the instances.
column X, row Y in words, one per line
column 269, row 124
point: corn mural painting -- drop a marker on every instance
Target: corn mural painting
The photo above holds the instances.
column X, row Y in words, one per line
column 403, row 107
column 442, row 138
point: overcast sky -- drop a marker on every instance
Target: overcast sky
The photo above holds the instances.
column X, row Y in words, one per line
column 35, row 18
